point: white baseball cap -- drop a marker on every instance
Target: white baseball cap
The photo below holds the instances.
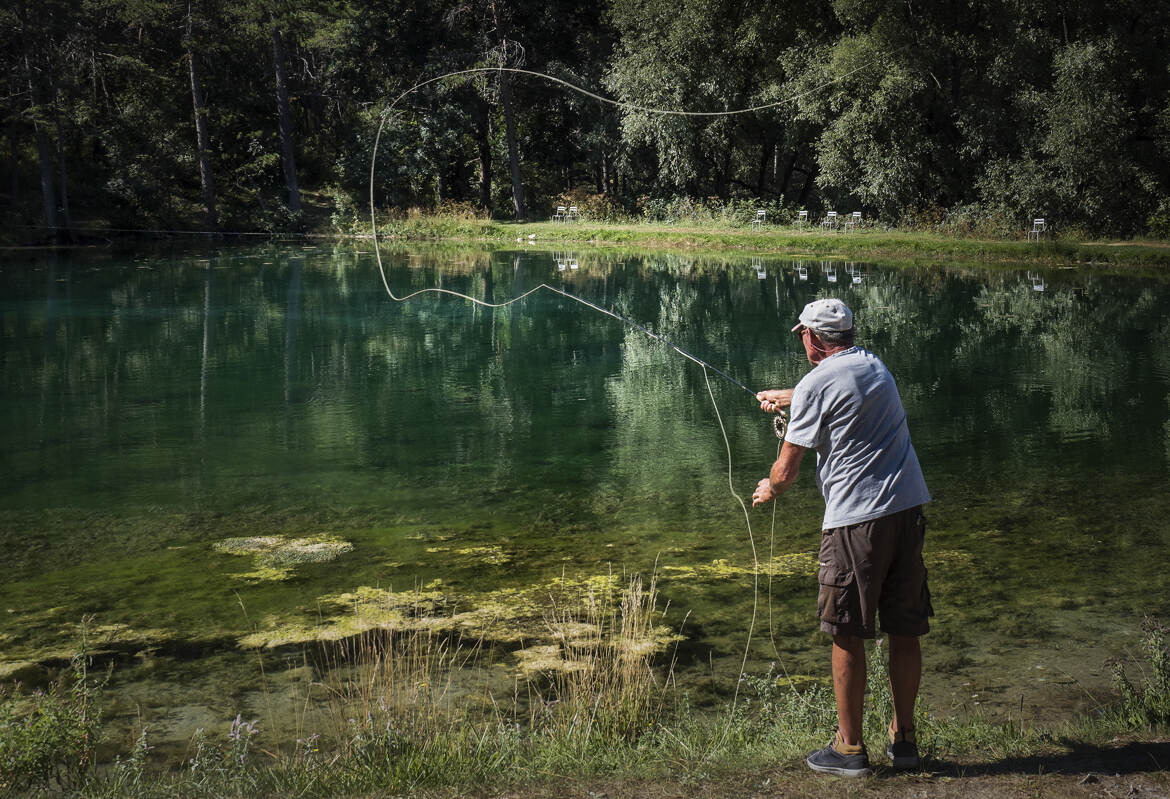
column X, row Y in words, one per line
column 831, row 315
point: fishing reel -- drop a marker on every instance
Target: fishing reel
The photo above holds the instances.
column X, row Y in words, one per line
column 780, row 424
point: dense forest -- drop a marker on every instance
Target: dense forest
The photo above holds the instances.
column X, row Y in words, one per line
column 260, row 115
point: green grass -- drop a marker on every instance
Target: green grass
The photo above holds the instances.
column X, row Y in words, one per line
column 871, row 244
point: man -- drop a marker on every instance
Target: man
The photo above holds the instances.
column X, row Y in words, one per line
column 848, row 409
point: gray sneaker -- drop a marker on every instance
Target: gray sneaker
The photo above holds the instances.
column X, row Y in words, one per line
column 903, row 749
column 830, row 761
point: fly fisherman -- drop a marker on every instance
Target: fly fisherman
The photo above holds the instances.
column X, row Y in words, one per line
column 848, row 409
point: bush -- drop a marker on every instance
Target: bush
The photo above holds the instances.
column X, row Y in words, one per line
column 459, row 210
column 594, row 207
column 976, row 221
column 345, row 217
column 1158, row 225
column 713, row 210
column 1148, row 702
column 50, row 736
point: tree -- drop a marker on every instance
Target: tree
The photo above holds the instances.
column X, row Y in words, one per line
column 285, row 118
column 201, row 137
column 36, row 111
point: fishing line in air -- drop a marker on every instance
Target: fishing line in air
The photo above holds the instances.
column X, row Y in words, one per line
column 779, row 421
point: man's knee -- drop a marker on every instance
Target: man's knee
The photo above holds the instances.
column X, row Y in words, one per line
column 852, row 644
column 905, row 645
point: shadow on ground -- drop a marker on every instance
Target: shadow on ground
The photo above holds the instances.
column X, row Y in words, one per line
column 1130, row 758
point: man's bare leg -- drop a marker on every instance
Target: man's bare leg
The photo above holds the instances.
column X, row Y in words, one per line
column 849, row 685
column 905, row 674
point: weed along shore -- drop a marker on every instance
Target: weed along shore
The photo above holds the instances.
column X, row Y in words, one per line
column 869, row 243
column 411, row 707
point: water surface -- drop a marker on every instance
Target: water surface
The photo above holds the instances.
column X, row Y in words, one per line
column 158, row 404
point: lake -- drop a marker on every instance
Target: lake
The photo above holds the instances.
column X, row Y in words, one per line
column 213, row 455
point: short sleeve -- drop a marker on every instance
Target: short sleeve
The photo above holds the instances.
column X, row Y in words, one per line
column 805, row 416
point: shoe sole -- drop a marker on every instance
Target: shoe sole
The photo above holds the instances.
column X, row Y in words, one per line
column 840, row 771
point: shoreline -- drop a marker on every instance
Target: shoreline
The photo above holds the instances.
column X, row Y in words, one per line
column 882, row 246
column 868, row 244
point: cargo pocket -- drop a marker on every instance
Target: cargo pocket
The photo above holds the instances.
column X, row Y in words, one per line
column 926, row 605
column 833, row 601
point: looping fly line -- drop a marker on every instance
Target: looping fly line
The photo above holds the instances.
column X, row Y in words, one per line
column 780, row 421
column 622, row 103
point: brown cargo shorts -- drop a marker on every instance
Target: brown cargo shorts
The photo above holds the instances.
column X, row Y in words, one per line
column 875, row 567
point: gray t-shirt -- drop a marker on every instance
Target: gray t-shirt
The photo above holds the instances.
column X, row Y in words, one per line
column 848, row 409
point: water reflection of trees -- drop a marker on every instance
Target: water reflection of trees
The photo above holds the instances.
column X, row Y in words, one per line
column 231, row 351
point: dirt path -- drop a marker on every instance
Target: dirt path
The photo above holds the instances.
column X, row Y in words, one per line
column 1135, row 769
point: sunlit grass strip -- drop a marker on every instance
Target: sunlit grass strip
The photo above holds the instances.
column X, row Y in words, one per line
column 871, row 243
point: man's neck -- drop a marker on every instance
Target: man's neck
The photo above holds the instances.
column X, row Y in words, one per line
column 822, row 354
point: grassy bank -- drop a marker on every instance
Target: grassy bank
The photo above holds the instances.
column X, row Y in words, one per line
column 871, row 244
column 398, row 712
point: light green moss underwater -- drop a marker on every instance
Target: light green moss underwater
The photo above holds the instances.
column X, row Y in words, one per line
column 275, row 557
column 553, row 624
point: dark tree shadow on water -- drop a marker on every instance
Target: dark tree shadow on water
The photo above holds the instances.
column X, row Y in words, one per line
column 1131, row 758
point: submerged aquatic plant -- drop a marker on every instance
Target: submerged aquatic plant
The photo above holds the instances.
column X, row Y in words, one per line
column 606, row 682
column 275, row 556
column 795, row 564
column 505, row 615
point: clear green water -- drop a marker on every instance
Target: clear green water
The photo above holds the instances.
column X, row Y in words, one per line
column 158, row 403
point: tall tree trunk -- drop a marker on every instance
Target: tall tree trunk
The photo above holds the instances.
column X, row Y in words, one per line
column 61, row 166
column 513, row 151
column 201, row 137
column 44, row 155
column 788, row 170
column 484, row 137
column 762, row 176
column 14, row 159
column 806, row 188
column 509, row 125
column 286, row 136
